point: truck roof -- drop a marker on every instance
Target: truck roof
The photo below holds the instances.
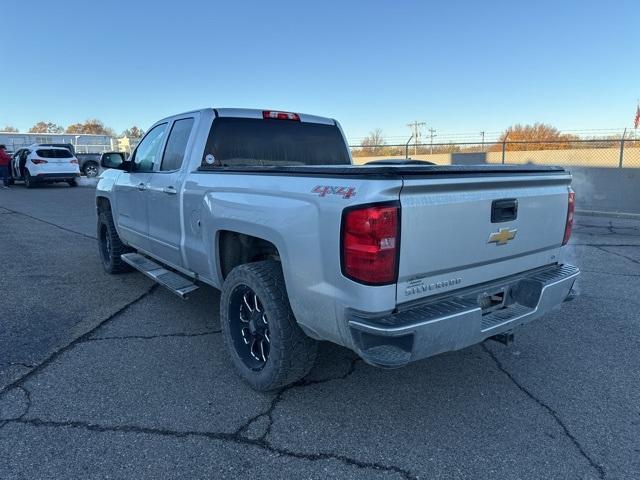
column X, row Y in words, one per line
column 256, row 113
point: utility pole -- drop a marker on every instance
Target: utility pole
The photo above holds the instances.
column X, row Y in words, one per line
column 432, row 133
column 482, row 135
column 415, row 129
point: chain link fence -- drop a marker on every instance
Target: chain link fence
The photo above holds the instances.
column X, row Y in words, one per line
column 602, row 153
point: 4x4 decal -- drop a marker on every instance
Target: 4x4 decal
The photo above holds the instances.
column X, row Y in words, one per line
column 344, row 192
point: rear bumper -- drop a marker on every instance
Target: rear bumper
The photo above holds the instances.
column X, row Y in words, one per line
column 54, row 177
column 458, row 321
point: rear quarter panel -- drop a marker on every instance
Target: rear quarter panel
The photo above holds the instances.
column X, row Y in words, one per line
column 303, row 225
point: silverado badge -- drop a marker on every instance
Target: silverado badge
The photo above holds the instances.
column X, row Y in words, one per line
column 502, row 236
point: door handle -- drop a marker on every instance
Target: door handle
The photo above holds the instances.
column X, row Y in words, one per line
column 142, row 187
column 170, row 190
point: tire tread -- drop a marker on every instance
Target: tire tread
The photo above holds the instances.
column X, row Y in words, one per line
column 298, row 351
column 117, row 265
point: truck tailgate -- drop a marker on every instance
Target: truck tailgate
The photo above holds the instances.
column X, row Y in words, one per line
column 449, row 239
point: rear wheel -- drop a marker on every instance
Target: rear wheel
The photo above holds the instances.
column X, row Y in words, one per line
column 28, row 181
column 266, row 345
column 72, row 182
column 110, row 246
column 90, row 169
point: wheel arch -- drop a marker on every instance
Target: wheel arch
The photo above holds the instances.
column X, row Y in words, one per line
column 235, row 248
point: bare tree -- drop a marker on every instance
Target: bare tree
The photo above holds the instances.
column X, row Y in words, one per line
column 9, row 129
column 133, row 132
column 373, row 144
column 46, row 127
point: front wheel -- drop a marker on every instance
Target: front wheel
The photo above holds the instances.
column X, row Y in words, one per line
column 110, row 246
column 266, row 345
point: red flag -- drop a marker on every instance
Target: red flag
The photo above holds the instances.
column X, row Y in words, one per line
column 636, row 122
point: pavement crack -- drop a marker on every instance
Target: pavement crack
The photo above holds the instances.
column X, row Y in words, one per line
column 27, row 396
column 149, row 337
column 219, row 436
column 621, row 255
column 15, row 407
column 16, row 364
column 278, row 397
column 50, row 223
column 57, row 353
column 554, row 414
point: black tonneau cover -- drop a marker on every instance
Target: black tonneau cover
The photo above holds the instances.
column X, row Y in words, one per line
column 387, row 171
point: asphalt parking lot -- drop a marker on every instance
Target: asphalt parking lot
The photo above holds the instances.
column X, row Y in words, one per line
column 110, row 377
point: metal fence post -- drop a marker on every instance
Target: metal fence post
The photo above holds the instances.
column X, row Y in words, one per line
column 504, row 149
column 406, row 147
column 622, row 148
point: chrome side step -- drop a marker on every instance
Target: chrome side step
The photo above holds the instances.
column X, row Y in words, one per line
column 173, row 281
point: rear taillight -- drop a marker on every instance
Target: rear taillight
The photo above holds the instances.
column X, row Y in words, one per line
column 280, row 115
column 570, row 211
column 38, row 161
column 74, row 161
column 370, row 244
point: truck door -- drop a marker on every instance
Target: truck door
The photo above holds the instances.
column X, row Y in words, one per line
column 131, row 189
column 165, row 210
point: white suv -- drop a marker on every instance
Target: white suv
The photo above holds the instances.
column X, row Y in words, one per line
column 41, row 164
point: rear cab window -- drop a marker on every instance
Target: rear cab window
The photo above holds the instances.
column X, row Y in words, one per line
column 176, row 146
column 237, row 142
column 53, row 153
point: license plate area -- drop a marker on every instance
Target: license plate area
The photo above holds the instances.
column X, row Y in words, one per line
column 492, row 301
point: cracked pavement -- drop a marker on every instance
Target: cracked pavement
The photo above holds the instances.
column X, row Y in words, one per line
column 112, row 377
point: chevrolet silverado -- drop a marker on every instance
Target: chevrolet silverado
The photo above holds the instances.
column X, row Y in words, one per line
column 397, row 261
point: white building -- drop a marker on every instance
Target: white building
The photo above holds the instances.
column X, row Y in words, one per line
column 83, row 143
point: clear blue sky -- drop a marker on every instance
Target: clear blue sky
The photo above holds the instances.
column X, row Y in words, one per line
column 459, row 66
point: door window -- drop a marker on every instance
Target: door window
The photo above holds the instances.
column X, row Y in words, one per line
column 148, row 150
column 176, row 144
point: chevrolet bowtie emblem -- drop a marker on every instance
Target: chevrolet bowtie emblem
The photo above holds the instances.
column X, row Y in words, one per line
column 502, row 236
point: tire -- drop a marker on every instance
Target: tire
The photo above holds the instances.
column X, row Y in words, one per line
column 72, row 182
column 91, row 169
column 28, row 182
column 110, row 247
column 290, row 354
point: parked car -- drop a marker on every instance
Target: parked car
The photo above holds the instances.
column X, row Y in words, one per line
column 397, row 261
column 44, row 164
column 89, row 163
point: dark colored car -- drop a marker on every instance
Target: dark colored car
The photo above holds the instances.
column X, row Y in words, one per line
column 89, row 163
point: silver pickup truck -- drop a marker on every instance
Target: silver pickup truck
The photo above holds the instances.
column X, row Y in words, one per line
column 397, row 261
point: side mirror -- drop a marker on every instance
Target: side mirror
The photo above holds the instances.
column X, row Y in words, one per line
column 113, row 160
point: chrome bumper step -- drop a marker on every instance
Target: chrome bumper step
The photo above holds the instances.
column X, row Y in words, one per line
column 455, row 322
